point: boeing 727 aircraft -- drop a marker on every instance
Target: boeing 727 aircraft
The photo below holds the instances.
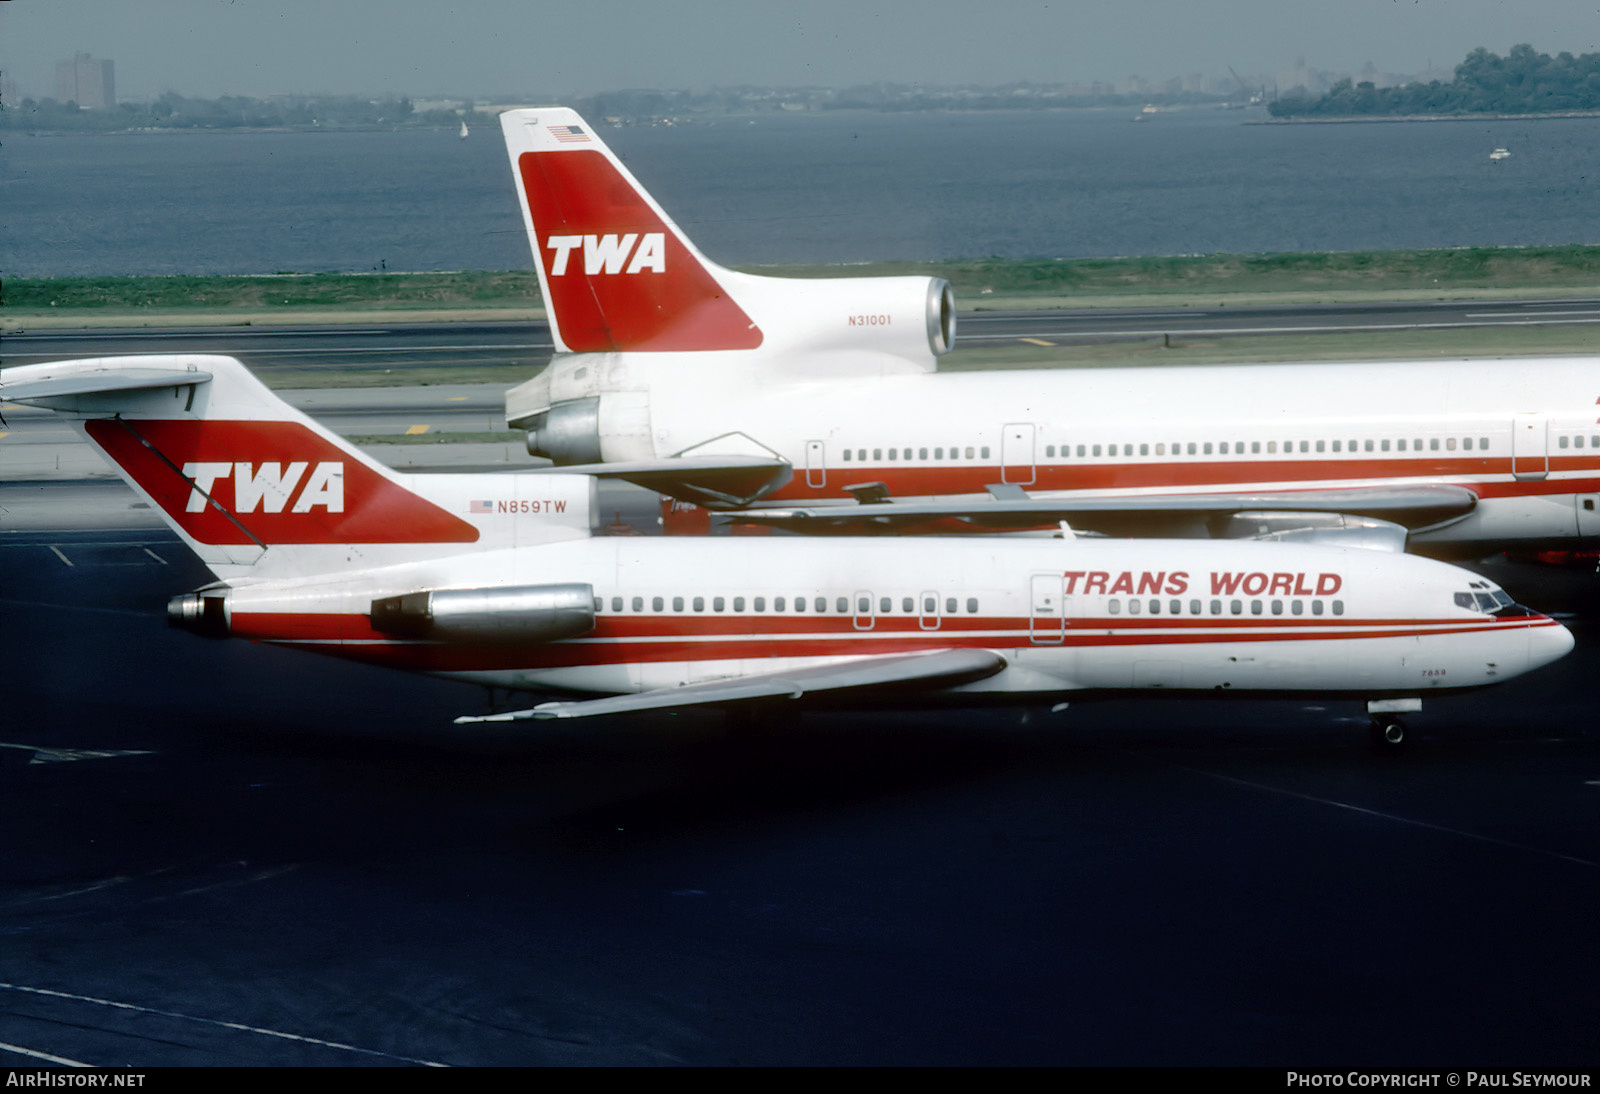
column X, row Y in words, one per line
column 495, row 579
column 815, row 404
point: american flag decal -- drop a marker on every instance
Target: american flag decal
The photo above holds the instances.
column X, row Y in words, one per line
column 480, row 507
column 568, row 134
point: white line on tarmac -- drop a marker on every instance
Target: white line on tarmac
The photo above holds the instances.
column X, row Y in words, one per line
column 59, row 555
column 216, row 1022
column 42, row 1055
column 1394, row 817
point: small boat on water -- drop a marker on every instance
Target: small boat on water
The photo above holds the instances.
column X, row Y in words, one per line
column 1500, row 154
column 463, row 130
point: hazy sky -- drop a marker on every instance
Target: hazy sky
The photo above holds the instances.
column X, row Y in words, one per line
column 554, row 49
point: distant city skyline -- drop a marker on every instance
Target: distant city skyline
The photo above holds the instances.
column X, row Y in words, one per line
column 527, row 49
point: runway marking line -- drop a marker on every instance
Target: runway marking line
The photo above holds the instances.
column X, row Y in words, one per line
column 1036, row 341
column 1395, row 817
column 416, row 431
column 62, row 1060
column 59, row 555
column 155, row 556
column 215, row 1022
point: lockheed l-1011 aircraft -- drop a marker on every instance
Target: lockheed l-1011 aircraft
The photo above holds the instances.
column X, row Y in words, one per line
column 734, row 390
column 494, row 578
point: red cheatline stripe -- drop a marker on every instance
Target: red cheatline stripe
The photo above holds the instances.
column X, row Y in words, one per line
column 460, row 657
column 1487, row 477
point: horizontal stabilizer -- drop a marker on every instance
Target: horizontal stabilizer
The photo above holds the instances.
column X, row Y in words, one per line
column 716, row 482
column 930, row 669
column 98, row 382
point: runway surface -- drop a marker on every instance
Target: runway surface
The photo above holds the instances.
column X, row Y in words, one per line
column 407, row 346
column 224, row 853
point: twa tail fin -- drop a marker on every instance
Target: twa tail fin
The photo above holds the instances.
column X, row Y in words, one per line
column 616, row 272
column 243, row 476
column 619, row 276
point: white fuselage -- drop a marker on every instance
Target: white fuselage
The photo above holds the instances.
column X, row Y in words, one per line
column 1523, row 436
column 1065, row 615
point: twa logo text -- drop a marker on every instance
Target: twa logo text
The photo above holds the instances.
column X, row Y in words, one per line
column 608, row 253
column 269, row 486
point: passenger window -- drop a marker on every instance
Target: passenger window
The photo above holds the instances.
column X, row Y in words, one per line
column 1386, row 446
column 1114, row 606
column 930, row 605
column 738, row 604
column 1277, row 607
column 778, row 603
column 1400, row 445
column 616, row 603
column 1449, row 444
column 1191, row 448
column 638, row 603
column 677, row 603
column 1305, row 446
column 1561, row 442
column 908, row 605
column 1255, row 607
column 1144, row 450
column 1338, row 607
column 1208, row 448
column 1194, row 607
column 821, row 604
column 1097, row 450
column 699, row 603
column 1272, row 447
column 1319, row 446
column 985, row 451
column 1336, row 446
column 950, row 605
column 657, row 604
column 922, row 453
column 1255, row 448
column 847, row 455
column 1298, row 607
column 1155, row 607
column 1161, row 449
column 938, row 453
column 863, row 605
column 1236, row 607
column 1368, row 445
column 1316, row 607
column 972, row 605
column 599, row 604
column 843, row 605
column 1216, row 607
column 969, row 452
column 877, row 454
column 1080, row 452
column 885, row 605
column 1177, row 606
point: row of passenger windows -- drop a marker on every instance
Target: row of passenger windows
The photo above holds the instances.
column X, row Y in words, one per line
column 815, row 605
column 1256, row 448
column 1235, row 607
column 974, row 452
column 1209, row 448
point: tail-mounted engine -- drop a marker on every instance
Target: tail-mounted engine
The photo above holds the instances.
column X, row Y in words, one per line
column 514, row 614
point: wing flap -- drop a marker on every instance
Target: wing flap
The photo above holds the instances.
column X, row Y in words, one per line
column 930, row 669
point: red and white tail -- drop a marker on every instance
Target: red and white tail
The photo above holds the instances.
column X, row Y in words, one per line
column 246, row 479
column 618, row 274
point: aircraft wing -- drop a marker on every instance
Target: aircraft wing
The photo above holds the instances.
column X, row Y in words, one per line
column 927, row 669
column 1226, row 515
column 716, row 482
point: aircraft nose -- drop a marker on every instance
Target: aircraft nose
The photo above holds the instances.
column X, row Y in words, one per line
column 1548, row 642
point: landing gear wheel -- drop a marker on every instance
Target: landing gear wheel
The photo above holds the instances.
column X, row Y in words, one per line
column 1388, row 734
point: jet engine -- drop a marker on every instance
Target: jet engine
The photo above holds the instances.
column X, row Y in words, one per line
column 512, row 614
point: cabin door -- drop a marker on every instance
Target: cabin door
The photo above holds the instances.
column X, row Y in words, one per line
column 1047, row 611
column 816, row 467
column 1016, row 453
column 1530, row 456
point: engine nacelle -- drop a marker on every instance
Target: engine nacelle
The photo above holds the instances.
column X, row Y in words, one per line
column 203, row 613
column 568, row 433
column 513, row 614
column 910, row 317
